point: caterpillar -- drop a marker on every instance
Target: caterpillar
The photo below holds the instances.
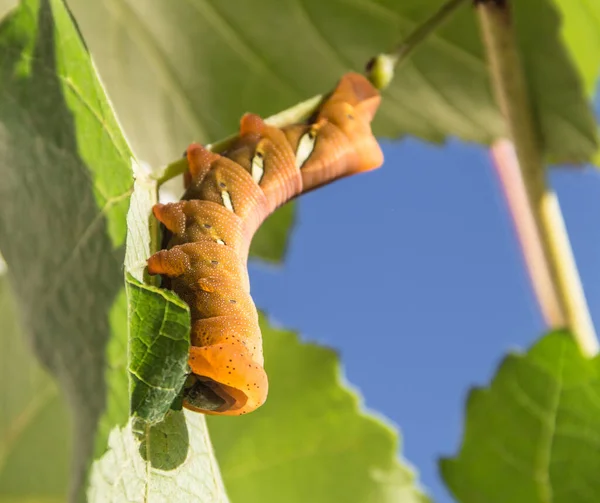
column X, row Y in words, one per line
column 209, row 231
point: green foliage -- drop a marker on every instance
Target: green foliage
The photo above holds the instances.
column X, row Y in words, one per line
column 34, row 423
column 580, row 31
column 566, row 123
column 159, row 345
column 310, row 441
column 66, row 182
column 162, row 57
column 532, row 435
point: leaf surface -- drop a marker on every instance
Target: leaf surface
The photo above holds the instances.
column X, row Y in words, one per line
column 34, row 420
column 196, row 66
column 310, row 441
column 66, row 182
column 532, row 435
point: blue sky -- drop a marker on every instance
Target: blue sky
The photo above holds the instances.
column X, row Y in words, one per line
column 414, row 274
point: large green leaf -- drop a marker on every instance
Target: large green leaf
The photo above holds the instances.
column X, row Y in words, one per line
column 34, row 423
column 310, row 441
column 532, row 436
column 66, row 181
column 196, row 66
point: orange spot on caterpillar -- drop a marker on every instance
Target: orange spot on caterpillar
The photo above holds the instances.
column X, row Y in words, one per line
column 171, row 263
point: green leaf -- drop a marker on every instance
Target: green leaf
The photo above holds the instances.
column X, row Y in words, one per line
column 565, row 119
column 580, row 30
column 159, row 346
column 532, row 436
column 66, row 181
column 171, row 461
column 182, row 63
column 34, row 421
column 310, row 441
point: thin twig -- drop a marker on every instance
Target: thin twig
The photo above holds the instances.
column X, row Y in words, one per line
column 570, row 308
column 380, row 69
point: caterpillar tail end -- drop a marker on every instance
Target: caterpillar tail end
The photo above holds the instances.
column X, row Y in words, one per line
column 224, row 381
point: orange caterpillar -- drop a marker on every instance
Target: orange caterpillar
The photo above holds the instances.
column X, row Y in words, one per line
column 227, row 197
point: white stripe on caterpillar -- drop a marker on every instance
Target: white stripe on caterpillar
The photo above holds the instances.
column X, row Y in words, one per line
column 306, row 145
column 227, row 200
column 258, row 168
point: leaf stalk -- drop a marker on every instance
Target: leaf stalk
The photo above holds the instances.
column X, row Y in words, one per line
column 547, row 249
column 380, row 69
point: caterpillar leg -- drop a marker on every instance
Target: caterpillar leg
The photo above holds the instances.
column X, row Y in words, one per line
column 171, row 263
column 171, row 215
column 251, row 124
column 200, row 160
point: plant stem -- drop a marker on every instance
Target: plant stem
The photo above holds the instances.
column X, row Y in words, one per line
column 511, row 180
column 564, row 305
column 380, row 69
column 176, row 168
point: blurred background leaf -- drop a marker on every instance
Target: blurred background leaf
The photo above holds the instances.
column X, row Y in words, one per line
column 181, row 63
column 533, row 434
column 35, row 426
column 66, row 181
column 194, row 67
column 310, row 441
